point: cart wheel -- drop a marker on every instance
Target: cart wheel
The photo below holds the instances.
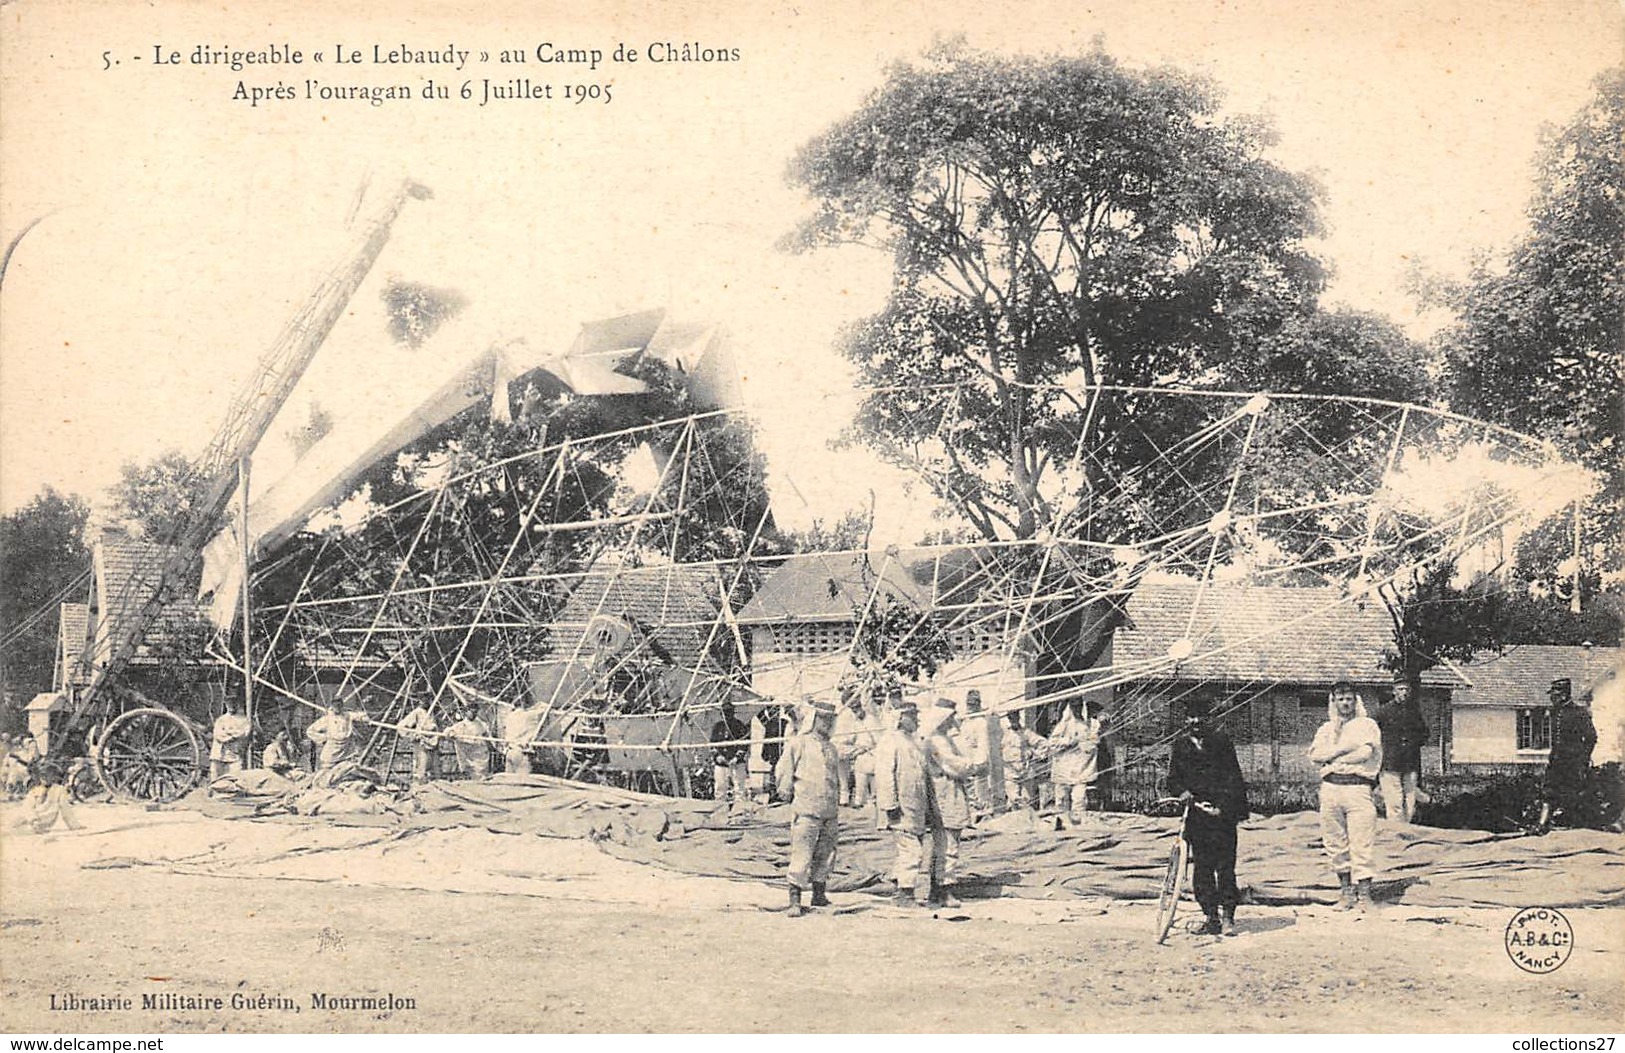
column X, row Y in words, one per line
column 149, row 755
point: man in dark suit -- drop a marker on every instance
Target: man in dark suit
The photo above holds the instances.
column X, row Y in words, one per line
column 1568, row 764
column 1203, row 772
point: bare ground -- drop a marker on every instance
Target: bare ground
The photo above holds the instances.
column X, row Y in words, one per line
column 564, row 939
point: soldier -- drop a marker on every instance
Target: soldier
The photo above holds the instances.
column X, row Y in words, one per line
column 418, row 729
column 906, row 800
column 227, row 740
column 767, row 731
column 856, row 730
column 730, row 749
column 278, row 755
column 335, row 734
column 1574, row 736
column 1404, row 733
column 952, row 769
column 808, row 775
column 471, row 739
column 1025, row 754
column 1075, row 745
column 981, row 738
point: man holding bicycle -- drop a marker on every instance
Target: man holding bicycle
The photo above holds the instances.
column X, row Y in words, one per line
column 1204, row 773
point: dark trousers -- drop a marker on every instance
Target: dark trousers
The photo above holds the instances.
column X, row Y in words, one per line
column 1213, row 858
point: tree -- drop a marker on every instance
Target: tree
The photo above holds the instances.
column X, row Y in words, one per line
column 416, row 311
column 1434, row 621
column 1057, row 221
column 157, row 498
column 1537, row 342
column 457, row 495
column 850, row 532
column 42, row 553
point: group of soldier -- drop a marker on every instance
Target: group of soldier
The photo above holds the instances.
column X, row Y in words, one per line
column 928, row 773
column 339, row 738
column 931, row 775
column 922, row 796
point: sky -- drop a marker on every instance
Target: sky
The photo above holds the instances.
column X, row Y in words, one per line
column 174, row 229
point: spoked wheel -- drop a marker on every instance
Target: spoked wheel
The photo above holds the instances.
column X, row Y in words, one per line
column 149, row 755
column 1173, row 883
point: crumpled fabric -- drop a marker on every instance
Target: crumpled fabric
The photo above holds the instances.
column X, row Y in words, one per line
column 1280, row 860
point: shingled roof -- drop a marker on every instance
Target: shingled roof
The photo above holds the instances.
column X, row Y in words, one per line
column 829, row 586
column 72, row 634
column 1247, row 633
column 675, row 606
column 1523, row 673
column 127, row 570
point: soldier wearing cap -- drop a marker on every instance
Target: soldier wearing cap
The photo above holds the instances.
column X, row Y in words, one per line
column 1574, row 736
column 952, row 769
column 1404, row 733
column 906, row 800
column 809, row 776
column 982, row 736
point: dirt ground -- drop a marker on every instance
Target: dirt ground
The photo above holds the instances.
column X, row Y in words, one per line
column 555, row 936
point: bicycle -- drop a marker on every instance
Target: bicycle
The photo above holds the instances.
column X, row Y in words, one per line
column 1173, row 880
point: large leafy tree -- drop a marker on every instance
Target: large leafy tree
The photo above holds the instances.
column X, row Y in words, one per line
column 42, row 553
column 1061, row 221
column 156, row 498
column 1537, row 343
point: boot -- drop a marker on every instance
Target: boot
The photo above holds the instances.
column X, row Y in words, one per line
column 1210, row 927
column 1345, row 887
column 1362, row 896
column 796, row 909
column 819, row 899
column 1227, row 920
column 903, row 897
column 947, row 897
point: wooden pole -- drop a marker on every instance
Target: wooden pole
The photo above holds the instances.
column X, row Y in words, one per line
column 248, row 662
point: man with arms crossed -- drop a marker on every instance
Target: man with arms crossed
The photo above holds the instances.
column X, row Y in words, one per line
column 1348, row 748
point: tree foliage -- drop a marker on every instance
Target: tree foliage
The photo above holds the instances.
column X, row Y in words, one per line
column 42, row 551
column 416, row 311
column 157, row 498
column 1056, row 221
column 1434, row 621
column 1537, row 342
column 458, row 495
column 848, row 533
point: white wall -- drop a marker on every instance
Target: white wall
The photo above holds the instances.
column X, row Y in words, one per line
column 787, row 677
column 1488, row 735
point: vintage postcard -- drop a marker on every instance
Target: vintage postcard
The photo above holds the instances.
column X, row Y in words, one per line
column 801, row 518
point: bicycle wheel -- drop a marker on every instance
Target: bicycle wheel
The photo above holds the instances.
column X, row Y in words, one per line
column 1173, row 884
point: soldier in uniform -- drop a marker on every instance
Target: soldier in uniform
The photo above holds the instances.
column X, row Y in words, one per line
column 1574, row 736
column 809, row 775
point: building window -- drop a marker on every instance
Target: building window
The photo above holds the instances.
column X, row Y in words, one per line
column 1535, row 728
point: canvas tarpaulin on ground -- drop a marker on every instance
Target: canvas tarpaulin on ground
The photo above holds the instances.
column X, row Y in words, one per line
column 1115, row 856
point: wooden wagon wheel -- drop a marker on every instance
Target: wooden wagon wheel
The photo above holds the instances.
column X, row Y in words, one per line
column 149, row 755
